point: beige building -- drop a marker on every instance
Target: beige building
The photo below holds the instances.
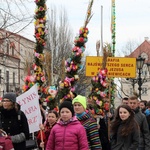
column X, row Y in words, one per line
column 130, row 85
column 15, row 52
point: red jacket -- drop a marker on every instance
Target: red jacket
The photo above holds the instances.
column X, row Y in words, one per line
column 45, row 135
column 68, row 136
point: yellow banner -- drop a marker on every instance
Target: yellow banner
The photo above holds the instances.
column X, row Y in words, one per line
column 118, row 67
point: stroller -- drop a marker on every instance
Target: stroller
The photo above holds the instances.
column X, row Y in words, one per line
column 5, row 141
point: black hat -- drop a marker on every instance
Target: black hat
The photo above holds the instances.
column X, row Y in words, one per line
column 67, row 104
column 11, row 96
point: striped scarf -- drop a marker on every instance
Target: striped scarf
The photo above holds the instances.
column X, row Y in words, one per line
column 90, row 126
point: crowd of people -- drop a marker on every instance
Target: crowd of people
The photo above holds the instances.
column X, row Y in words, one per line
column 75, row 127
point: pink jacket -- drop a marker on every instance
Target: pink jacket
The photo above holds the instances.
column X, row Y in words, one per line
column 71, row 136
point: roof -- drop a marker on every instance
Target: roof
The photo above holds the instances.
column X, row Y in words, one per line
column 143, row 48
column 15, row 34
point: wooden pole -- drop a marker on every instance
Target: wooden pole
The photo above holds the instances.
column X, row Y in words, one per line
column 41, row 138
column 98, row 47
column 109, row 110
column 101, row 28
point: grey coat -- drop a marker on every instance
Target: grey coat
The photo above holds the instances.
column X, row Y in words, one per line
column 129, row 142
column 144, row 129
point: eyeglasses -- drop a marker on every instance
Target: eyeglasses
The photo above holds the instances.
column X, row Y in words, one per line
column 6, row 100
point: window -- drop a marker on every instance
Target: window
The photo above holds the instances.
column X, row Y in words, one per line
column 7, row 81
column 12, row 47
column 13, row 51
column 13, row 78
column 0, row 76
column 144, row 91
column 7, row 48
column 144, row 55
column 131, row 91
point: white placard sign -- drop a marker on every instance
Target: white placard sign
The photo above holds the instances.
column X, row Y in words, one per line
column 29, row 102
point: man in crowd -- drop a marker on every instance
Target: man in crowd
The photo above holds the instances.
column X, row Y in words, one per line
column 125, row 101
column 144, row 141
column 142, row 105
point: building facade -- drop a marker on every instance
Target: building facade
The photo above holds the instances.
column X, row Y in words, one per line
column 16, row 55
column 130, row 85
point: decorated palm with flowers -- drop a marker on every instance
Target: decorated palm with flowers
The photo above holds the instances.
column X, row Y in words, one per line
column 40, row 36
column 100, row 83
column 73, row 63
column 49, row 92
column 29, row 82
column 99, row 91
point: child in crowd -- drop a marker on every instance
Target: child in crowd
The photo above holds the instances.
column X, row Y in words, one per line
column 52, row 118
column 68, row 133
column 88, row 122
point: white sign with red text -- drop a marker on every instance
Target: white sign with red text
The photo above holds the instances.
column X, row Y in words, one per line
column 29, row 102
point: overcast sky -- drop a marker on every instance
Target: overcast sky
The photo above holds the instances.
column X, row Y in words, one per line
column 132, row 20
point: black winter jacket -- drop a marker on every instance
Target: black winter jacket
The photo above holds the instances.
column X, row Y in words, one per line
column 15, row 127
column 144, row 129
column 129, row 142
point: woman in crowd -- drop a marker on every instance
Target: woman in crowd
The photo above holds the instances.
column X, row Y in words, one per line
column 68, row 133
column 124, row 130
column 14, row 122
column 89, row 123
column 46, row 128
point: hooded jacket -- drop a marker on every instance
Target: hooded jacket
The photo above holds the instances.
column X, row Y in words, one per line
column 67, row 136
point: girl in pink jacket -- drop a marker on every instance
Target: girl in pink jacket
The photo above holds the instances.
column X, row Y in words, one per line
column 68, row 133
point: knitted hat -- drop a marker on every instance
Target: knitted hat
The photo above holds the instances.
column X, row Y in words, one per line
column 11, row 96
column 67, row 104
column 80, row 99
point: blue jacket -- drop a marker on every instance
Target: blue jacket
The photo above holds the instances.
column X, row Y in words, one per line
column 147, row 112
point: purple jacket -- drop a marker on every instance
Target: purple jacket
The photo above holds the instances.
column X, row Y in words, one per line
column 68, row 136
